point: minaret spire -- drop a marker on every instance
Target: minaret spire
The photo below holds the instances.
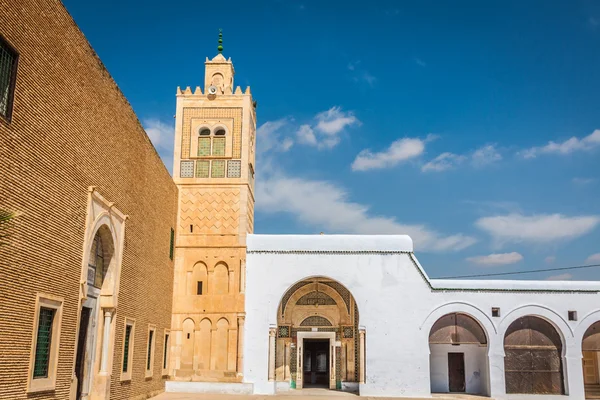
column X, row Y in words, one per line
column 220, row 46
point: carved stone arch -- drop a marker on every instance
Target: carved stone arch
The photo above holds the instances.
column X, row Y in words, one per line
column 219, row 345
column 188, row 327
column 203, row 344
column 199, row 273
column 219, row 279
column 316, row 320
column 309, row 288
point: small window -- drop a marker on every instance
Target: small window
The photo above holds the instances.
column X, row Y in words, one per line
column 220, row 132
column 205, row 132
column 199, row 288
column 572, row 315
column 172, row 244
column 495, row 311
column 8, row 76
column 128, row 340
column 43, row 343
column 150, row 351
column 165, row 367
column 187, row 169
column 46, row 342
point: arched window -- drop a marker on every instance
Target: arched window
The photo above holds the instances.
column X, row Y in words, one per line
column 96, row 264
column 533, row 357
column 211, row 143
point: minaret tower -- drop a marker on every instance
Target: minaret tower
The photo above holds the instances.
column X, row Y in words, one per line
column 214, row 171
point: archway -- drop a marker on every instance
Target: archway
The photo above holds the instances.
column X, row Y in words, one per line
column 533, row 357
column 458, row 355
column 590, row 347
column 100, row 276
column 317, row 342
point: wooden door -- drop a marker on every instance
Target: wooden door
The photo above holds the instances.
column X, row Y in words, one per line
column 456, row 372
column 590, row 368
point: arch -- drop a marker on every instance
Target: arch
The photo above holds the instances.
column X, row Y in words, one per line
column 219, row 345
column 319, row 309
column 199, row 274
column 187, row 344
column 316, row 320
column 219, row 131
column 220, row 279
column 584, row 324
column 461, row 333
column 533, row 349
column 204, row 131
column 202, row 351
column 590, row 352
column 551, row 316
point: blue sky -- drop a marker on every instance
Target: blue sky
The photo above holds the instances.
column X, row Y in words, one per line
column 472, row 126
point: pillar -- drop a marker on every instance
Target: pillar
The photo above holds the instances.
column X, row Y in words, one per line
column 272, row 332
column 240, row 349
column 361, row 363
column 105, row 342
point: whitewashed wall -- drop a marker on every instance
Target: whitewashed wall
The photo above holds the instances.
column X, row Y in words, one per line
column 476, row 368
column 398, row 305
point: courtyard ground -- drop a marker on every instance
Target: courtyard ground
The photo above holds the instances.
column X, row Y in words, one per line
column 308, row 394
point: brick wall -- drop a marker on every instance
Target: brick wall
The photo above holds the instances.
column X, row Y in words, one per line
column 72, row 128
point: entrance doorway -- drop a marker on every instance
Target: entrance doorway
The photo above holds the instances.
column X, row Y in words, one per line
column 316, row 363
column 84, row 322
column 456, row 372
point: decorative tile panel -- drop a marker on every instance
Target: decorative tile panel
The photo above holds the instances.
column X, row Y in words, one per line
column 218, row 148
column 315, row 320
column 284, row 331
column 202, row 167
column 211, row 212
column 218, row 169
column 203, row 146
column 348, row 332
column 212, row 113
column 187, row 169
column 234, row 169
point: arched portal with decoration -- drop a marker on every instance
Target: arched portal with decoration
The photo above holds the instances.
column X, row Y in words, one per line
column 317, row 342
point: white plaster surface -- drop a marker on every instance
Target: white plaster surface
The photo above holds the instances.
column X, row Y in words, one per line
column 398, row 305
column 208, row 387
column 476, row 375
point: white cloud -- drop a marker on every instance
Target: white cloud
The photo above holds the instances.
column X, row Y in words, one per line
column 541, row 228
column 496, row 259
column 485, row 155
column 482, row 156
column 569, row 146
column 443, row 162
column 399, row 151
column 269, row 136
column 361, row 75
column 550, row 259
column 594, row 258
column 162, row 137
column 334, row 120
column 326, row 207
column 561, row 277
column 420, row 62
column 306, row 135
column 583, row 181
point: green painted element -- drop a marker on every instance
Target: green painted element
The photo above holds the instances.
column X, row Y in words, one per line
column 293, row 384
column 220, row 46
column 338, row 385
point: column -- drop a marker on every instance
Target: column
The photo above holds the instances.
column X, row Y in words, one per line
column 272, row 354
column 240, row 350
column 105, row 342
column 361, row 363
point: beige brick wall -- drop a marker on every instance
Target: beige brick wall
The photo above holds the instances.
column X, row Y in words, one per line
column 72, row 128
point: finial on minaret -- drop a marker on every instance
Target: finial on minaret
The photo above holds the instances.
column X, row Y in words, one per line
column 220, row 47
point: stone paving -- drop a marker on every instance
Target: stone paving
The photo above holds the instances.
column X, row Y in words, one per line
column 308, row 394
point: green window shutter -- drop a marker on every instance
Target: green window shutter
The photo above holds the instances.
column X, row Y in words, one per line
column 218, row 146
column 202, row 167
column 126, row 347
column 44, row 342
column 150, row 338
column 204, row 146
column 172, row 244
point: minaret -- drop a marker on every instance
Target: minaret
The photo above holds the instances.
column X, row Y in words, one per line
column 214, row 171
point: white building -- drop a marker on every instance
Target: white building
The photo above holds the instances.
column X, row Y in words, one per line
column 415, row 335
